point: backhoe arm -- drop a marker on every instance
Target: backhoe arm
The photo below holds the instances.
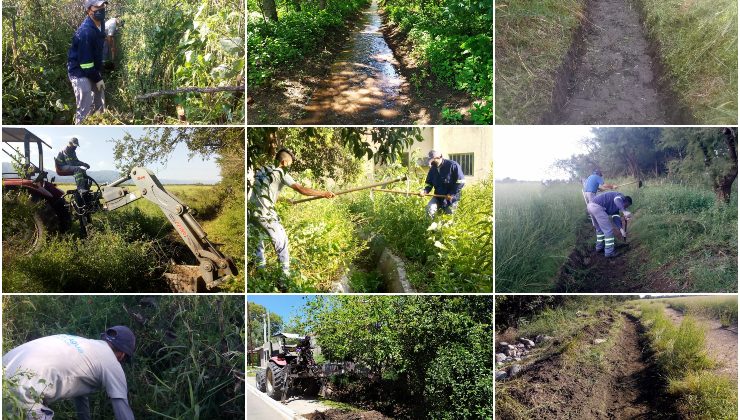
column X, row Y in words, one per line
column 213, row 264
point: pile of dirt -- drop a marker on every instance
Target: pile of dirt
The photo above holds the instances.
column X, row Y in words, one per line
column 337, row 414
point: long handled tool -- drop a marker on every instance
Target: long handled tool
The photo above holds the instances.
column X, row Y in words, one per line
column 409, row 193
column 638, row 182
column 364, row 187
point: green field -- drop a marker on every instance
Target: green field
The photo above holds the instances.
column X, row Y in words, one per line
column 680, row 235
column 130, row 248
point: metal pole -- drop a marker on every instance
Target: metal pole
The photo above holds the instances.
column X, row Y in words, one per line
column 364, row 187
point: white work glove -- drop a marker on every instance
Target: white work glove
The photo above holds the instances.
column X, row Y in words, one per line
column 627, row 215
column 100, row 85
column 623, row 232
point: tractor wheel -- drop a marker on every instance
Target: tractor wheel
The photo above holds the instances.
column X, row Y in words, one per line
column 25, row 229
column 261, row 381
column 277, row 376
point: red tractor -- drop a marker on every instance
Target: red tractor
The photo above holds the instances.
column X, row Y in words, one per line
column 289, row 369
column 54, row 209
column 29, row 179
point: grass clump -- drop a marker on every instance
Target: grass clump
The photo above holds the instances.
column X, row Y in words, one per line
column 722, row 308
column 536, row 228
column 531, row 40
column 679, row 351
column 698, row 45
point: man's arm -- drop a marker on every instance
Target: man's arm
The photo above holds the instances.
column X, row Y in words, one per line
column 121, row 409
column 428, row 182
column 82, row 407
column 459, row 179
column 311, row 192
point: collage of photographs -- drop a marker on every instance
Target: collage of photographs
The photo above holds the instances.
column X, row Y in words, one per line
column 344, row 210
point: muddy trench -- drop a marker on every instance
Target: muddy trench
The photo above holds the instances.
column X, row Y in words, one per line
column 624, row 385
column 365, row 84
column 612, row 73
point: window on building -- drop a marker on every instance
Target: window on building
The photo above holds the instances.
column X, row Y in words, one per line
column 466, row 161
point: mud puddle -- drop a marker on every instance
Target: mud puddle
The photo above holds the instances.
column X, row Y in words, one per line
column 364, row 85
column 614, row 79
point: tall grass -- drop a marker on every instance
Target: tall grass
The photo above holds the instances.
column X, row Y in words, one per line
column 536, row 228
column 698, row 44
column 687, row 235
column 723, row 308
column 531, row 40
column 681, row 355
column 189, row 357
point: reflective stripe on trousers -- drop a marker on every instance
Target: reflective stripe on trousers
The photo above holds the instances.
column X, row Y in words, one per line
column 603, row 225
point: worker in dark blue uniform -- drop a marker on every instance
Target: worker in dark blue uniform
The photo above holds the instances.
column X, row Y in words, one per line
column 85, row 61
column 446, row 178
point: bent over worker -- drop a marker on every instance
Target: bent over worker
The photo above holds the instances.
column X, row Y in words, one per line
column 60, row 367
column 601, row 209
column 85, row 61
column 268, row 183
column 593, row 184
column 68, row 164
column 447, row 178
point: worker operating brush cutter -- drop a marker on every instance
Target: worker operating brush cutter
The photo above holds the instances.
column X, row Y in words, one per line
column 602, row 209
column 267, row 185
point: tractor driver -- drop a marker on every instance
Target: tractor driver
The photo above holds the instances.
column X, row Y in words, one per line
column 447, row 178
column 67, row 164
column 60, row 367
column 267, row 185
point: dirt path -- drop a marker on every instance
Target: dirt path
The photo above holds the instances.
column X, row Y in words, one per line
column 633, row 389
column 614, row 80
column 624, row 385
column 721, row 343
column 365, row 85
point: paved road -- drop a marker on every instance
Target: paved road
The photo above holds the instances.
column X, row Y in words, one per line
column 257, row 409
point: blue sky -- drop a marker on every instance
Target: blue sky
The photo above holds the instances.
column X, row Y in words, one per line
column 284, row 305
column 96, row 149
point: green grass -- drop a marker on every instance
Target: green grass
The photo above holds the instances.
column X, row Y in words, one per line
column 532, row 39
column 188, row 356
column 698, row 41
column 722, row 308
column 536, row 229
column 128, row 249
column 680, row 353
column 686, row 236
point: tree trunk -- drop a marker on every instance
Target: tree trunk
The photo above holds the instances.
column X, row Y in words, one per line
column 723, row 185
column 269, row 10
column 322, row 4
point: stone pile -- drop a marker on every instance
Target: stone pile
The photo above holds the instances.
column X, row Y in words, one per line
column 507, row 353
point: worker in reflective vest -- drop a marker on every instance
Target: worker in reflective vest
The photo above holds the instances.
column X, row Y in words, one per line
column 85, row 61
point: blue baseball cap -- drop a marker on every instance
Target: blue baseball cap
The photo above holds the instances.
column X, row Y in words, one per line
column 90, row 3
column 121, row 338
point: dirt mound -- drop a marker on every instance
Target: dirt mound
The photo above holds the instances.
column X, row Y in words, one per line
column 336, row 414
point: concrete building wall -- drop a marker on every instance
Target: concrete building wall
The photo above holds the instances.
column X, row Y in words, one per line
column 458, row 140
